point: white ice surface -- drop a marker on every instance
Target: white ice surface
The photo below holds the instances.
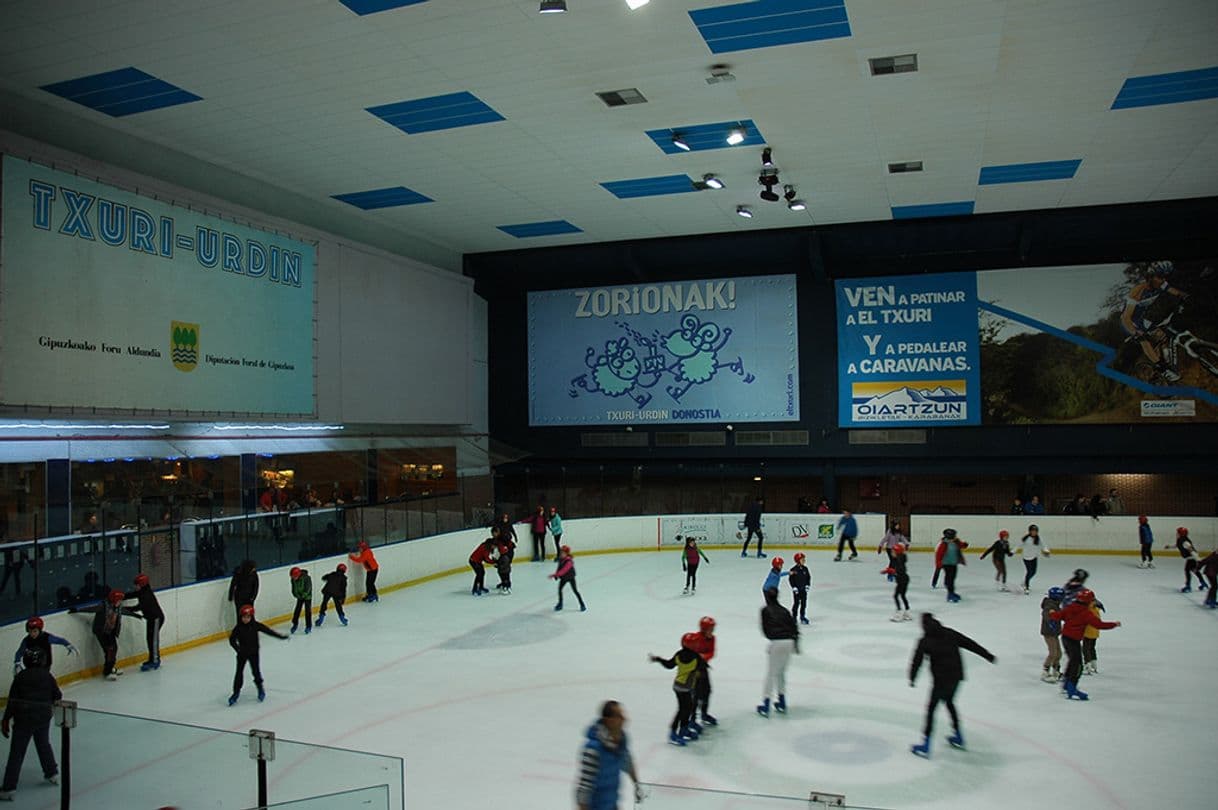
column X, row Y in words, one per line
column 487, row 699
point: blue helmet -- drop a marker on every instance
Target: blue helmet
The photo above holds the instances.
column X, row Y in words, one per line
column 1162, row 268
column 1056, row 594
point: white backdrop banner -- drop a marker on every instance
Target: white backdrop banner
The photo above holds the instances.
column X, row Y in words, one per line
column 778, row 529
column 110, row 299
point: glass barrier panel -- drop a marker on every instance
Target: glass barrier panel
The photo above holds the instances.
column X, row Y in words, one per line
column 302, row 770
column 370, row 798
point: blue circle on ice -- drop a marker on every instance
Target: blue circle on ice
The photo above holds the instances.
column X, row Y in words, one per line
column 515, row 632
column 843, row 748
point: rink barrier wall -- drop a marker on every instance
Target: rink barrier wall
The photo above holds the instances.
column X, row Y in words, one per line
column 200, row 613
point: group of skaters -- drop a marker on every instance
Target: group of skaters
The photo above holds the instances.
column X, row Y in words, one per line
column 499, row 550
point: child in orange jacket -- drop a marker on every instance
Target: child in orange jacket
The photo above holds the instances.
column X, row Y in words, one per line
column 367, row 559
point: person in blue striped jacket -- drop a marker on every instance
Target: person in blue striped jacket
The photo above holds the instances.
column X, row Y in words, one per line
column 606, row 754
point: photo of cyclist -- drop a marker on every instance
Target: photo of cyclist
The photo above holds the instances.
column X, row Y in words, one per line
column 1135, row 320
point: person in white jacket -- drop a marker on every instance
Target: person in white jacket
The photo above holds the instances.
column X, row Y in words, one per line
column 1033, row 547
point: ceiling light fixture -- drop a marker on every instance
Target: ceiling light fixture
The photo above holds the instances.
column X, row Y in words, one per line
column 553, row 6
column 712, row 181
column 766, row 157
column 736, row 135
column 678, row 140
column 769, row 179
column 633, row 4
column 744, row 211
column 792, row 203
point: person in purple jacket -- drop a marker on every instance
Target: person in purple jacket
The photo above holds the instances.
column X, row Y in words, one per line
column 537, row 526
column 565, row 574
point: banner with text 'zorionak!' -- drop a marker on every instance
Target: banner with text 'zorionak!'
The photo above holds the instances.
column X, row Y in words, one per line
column 706, row 351
column 907, row 351
column 111, row 299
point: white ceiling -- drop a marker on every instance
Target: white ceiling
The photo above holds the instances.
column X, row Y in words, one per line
column 285, row 84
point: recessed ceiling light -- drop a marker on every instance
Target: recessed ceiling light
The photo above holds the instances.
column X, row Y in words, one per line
column 633, row 4
column 712, row 181
column 736, row 135
column 744, row 211
column 678, row 140
column 553, row 6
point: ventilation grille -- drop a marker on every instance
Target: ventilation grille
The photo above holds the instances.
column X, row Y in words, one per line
column 905, row 166
column 907, row 63
column 701, row 438
column 613, row 439
column 756, row 438
column 620, row 98
column 907, row 436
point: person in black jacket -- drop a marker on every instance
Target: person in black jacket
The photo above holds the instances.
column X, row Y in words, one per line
column 244, row 639
column 107, row 623
column 243, row 589
column 752, row 524
column 154, row 619
column 800, row 580
column 27, row 716
column 778, row 625
column 942, row 645
column 336, row 589
column 897, row 571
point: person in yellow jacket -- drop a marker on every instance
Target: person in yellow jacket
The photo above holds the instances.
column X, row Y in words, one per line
column 366, row 558
column 1090, row 635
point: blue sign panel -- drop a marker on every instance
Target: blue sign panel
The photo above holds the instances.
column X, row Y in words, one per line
column 907, row 351
column 721, row 350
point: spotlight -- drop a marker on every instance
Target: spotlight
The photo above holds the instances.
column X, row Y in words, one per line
column 744, row 211
column 766, row 160
column 736, row 135
column 769, row 179
column 712, row 181
column 553, row 6
column 633, row 4
column 792, row 203
column 678, row 140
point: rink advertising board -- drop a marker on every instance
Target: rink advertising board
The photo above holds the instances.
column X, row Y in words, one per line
column 707, row 351
column 112, row 299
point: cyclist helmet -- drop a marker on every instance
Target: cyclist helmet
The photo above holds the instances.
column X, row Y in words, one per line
column 1163, row 269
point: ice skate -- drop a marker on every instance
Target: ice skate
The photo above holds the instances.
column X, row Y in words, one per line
column 558, row 606
column 308, row 630
column 117, row 671
column 744, row 554
column 1072, row 691
column 1142, row 564
column 854, row 556
column 764, row 708
column 232, row 699
column 6, row 795
column 1047, row 676
column 293, row 630
column 148, row 665
column 905, row 617
column 1025, row 590
column 343, row 619
column 803, row 619
column 709, row 719
column 695, row 728
column 111, row 677
column 507, row 591
column 780, row 705
column 1150, row 564
column 686, row 591
column 1186, row 589
column 675, row 739
column 583, row 608
column 322, row 618
column 922, row 749
column 1003, row 588
column 261, row 694
column 956, row 740
column 688, row 734
column 896, row 617
column 53, row 779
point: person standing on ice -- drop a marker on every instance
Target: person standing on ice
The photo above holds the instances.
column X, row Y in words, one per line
column 942, row 645
column 778, row 625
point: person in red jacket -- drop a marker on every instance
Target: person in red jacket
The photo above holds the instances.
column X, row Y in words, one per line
column 1075, row 618
column 482, row 556
column 366, row 558
column 703, row 643
column 940, row 550
column 537, row 526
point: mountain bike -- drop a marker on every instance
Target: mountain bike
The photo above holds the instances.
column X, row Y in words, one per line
column 1171, row 342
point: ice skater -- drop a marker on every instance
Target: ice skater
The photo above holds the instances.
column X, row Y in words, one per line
column 1032, row 548
column 775, row 575
column 27, row 716
column 154, row 619
column 37, row 638
column 953, row 557
column 689, row 666
column 1146, row 543
column 1075, row 617
column 1001, row 549
column 1050, row 631
column 777, row 625
column 691, row 557
column 1091, row 635
column 1185, row 546
column 752, row 525
column 897, row 572
column 505, row 551
column 366, row 558
column 800, row 579
column 940, row 550
column 302, row 591
column 482, row 556
column 1209, row 566
column 244, row 641
column 336, row 589
column 565, row 574
column 537, row 527
column 703, row 643
column 890, row 540
column 849, row 528
column 243, row 587
column 554, row 524
column 942, row 645
column 107, row 624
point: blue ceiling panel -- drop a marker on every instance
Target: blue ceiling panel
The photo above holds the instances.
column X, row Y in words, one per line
column 363, row 7
column 702, row 137
column 121, row 92
column 437, row 112
column 1168, row 88
column 769, row 23
column 526, row 230
column 1028, row 172
column 951, row 209
column 383, row 198
column 650, row 186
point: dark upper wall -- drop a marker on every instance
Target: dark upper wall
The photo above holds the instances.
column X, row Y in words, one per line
column 1178, row 229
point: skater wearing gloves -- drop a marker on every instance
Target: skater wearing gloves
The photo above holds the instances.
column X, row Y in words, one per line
column 37, row 638
column 1050, row 631
column 154, row 619
column 336, row 589
column 244, row 641
column 703, row 643
column 1001, row 549
column 896, row 571
column 801, row 580
column 1146, row 543
column 566, row 576
column 942, row 645
column 849, row 528
column 1032, row 548
column 778, row 625
column 689, row 666
column 605, row 756
column 366, row 558
column 302, row 590
column 691, row 556
column 27, row 716
column 1075, row 617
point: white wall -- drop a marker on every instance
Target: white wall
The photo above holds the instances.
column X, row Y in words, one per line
column 1066, row 532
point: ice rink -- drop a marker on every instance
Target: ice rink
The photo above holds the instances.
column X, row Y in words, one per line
column 487, row 699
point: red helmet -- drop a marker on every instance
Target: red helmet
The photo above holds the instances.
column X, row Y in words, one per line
column 141, row 580
column 342, row 568
column 1181, row 531
column 296, row 573
column 566, row 549
column 34, row 622
column 114, row 597
column 799, row 557
column 247, row 610
column 362, row 545
column 1086, row 596
column 899, row 548
column 689, row 640
column 1141, row 518
column 706, row 624
column 1004, row 534
column 776, row 562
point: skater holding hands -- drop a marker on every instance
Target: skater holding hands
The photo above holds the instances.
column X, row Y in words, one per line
column 1075, row 618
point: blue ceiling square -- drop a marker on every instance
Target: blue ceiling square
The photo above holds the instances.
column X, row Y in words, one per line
column 437, row 112
column 950, row 209
column 1168, row 88
column 383, row 198
column 1028, row 172
column 363, row 7
column 769, row 23
column 702, row 137
column 526, row 230
column 650, row 186
column 125, row 91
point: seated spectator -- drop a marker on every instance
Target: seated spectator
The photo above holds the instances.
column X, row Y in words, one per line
column 1034, row 506
column 1017, row 506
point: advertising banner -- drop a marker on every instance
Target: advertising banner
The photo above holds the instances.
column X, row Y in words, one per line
column 110, row 299
column 721, row 350
column 780, row 529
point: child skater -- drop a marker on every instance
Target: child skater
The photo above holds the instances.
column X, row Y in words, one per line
column 1001, row 549
column 366, row 558
column 566, row 576
column 27, row 716
column 896, row 571
column 777, row 625
column 1146, row 543
column 953, row 557
column 1091, row 635
column 942, row 645
column 1210, row 567
column 302, row 589
column 554, row 524
column 107, row 623
column 244, row 640
column 1185, row 546
column 689, row 666
column 691, row 557
column 336, row 589
column 775, row 576
column 890, row 539
column 1050, row 631
column 703, row 643
column 1075, row 617
column 505, row 550
column 940, row 550
column 480, row 557
column 1033, row 547
column 154, row 620
column 800, row 579
column 37, row 638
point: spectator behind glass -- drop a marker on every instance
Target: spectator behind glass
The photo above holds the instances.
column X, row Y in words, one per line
column 823, row 507
column 1017, row 506
column 1034, row 506
column 1114, row 503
